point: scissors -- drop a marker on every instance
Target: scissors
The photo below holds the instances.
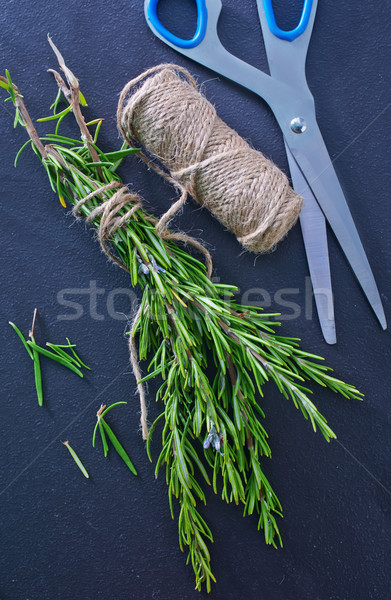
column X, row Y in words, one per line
column 313, row 176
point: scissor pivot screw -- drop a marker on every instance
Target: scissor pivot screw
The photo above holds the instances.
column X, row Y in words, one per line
column 298, row 125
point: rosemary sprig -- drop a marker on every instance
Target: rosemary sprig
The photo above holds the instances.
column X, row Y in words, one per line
column 106, row 432
column 65, row 362
column 57, row 353
column 212, row 423
column 73, row 358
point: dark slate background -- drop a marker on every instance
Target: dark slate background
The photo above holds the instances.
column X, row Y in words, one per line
column 63, row 537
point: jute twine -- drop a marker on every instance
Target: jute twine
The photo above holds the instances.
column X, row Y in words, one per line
column 205, row 158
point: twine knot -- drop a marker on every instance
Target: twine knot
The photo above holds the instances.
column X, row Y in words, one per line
column 110, row 219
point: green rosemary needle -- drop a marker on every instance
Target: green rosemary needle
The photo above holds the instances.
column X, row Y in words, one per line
column 77, row 460
column 20, row 334
column 37, row 374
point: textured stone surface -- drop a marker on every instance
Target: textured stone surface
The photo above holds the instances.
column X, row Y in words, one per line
column 63, row 537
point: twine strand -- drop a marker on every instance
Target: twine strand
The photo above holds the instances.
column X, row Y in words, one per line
column 134, row 359
column 108, row 211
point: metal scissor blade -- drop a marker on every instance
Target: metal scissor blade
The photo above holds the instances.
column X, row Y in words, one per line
column 313, row 226
column 286, row 63
column 311, row 155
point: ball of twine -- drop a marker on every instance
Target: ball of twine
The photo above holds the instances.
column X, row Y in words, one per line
column 207, row 159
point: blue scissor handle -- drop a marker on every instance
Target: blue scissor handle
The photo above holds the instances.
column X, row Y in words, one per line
column 282, row 33
column 202, row 19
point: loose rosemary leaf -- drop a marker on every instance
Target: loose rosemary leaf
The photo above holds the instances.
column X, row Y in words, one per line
column 37, row 374
column 77, row 460
column 103, row 438
column 25, row 344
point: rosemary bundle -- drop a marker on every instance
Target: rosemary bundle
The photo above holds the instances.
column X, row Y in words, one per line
column 212, row 354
